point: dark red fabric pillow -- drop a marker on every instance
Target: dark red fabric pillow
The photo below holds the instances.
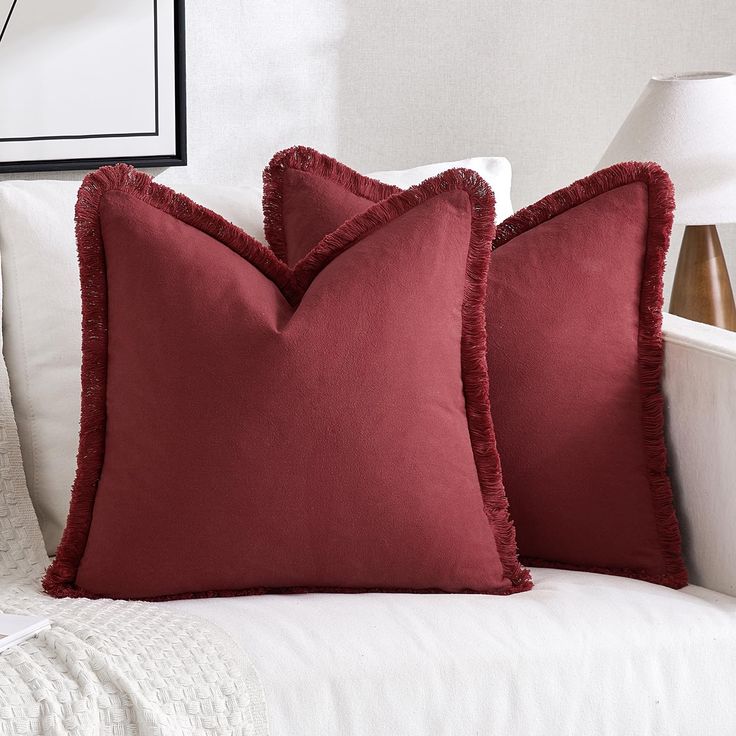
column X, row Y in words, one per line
column 250, row 428
column 575, row 356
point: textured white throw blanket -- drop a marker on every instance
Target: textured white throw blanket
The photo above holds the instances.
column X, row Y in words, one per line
column 107, row 667
column 115, row 667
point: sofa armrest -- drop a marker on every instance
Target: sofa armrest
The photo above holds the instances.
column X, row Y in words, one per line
column 700, row 400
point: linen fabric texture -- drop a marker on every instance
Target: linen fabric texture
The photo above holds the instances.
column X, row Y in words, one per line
column 247, row 427
column 574, row 351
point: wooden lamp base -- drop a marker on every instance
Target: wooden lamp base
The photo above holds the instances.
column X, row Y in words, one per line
column 702, row 290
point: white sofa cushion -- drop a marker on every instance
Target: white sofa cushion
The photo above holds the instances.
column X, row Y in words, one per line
column 580, row 654
column 42, row 313
column 496, row 170
column 42, row 339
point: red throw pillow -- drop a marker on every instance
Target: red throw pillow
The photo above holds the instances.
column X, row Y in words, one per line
column 575, row 355
column 250, row 428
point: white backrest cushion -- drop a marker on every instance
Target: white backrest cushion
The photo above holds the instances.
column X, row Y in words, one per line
column 42, row 339
column 42, row 326
column 496, row 170
column 22, row 553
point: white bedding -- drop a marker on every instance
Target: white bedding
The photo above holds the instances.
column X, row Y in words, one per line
column 580, row 655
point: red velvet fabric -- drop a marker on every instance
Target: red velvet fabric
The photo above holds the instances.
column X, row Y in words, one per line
column 575, row 355
column 247, row 427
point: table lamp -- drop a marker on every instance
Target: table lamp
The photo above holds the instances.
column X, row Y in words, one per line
column 687, row 124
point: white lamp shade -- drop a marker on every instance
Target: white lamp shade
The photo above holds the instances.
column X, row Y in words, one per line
column 687, row 124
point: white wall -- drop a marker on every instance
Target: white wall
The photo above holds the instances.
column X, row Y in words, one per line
column 385, row 84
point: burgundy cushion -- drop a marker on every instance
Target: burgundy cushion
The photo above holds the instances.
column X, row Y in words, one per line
column 247, row 427
column 575, row 356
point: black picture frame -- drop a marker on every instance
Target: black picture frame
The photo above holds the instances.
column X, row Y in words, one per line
column 180, row 105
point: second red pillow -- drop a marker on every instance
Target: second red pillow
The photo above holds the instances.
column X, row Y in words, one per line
column 574, row 351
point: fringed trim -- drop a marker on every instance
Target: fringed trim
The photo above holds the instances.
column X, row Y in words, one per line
column 476, row 383
column 660, row 212
column 302, row 158
column 60, row 577
column 75, row 592
column 651, row 356
column 621, row 572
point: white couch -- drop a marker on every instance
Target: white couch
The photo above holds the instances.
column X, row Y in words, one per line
column 580, row 655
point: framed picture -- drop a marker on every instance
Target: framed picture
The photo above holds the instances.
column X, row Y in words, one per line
column 90, row 82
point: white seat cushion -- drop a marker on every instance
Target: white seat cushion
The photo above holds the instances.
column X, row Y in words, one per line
column 580, row 654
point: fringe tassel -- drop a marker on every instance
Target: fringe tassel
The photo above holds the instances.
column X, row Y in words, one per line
column 476, row 384
column 660, row 212
column 60, row 578
column 302, row 158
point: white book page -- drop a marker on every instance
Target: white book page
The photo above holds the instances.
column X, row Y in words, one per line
column 15, row 628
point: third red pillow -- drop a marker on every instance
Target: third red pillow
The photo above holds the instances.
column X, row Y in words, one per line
column 575, row 355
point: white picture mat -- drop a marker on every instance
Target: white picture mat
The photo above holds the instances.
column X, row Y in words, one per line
column 85, row 67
